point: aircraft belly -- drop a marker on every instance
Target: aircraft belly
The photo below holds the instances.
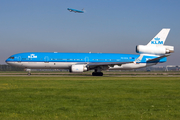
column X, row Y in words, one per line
column 18, row 64
column 43, row 65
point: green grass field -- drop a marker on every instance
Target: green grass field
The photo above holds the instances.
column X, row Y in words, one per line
column 45, row 98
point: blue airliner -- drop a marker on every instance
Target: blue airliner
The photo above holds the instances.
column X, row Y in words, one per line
column 75, row 10
column 151, row 54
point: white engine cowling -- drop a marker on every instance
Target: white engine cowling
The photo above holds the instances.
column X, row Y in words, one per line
column 78, row 68
column 154, row 49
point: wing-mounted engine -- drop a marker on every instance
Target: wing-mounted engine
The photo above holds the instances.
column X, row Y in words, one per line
column 158, row 50
column 78, row 68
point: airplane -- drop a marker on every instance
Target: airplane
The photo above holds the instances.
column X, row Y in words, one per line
column 75, row 10
column 151, row 54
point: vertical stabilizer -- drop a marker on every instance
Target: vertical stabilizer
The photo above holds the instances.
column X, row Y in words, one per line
column 160, row 38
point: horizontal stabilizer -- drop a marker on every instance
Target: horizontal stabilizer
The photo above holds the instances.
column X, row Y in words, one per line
column 158, row 58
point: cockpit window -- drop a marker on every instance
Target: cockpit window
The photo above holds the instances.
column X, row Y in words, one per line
column 11, row 57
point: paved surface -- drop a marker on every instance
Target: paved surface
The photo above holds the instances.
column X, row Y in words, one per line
column 106, row 74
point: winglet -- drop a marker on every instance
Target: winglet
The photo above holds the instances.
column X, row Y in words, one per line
column 139, row 59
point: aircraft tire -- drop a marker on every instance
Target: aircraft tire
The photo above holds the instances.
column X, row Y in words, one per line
column 93, row 74
column 97, row 74
column 29, row 73
column 100, row 74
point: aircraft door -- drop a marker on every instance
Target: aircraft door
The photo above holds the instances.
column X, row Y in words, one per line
column 86, row 59
column 46, row 59
column 19, row 59
column 46, row 62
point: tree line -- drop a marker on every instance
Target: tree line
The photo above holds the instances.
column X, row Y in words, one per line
column 10, row 68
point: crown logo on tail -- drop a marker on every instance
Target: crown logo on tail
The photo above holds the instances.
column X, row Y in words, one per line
column 157, row 38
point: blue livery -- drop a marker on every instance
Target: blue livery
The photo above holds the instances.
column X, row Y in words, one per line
column 75, row 10
column 151, row 54
column 78, row 57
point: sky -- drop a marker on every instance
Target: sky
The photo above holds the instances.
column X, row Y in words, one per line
column 107, row 26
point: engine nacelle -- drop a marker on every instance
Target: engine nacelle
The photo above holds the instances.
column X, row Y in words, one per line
column 78, row 68
column 154, row 49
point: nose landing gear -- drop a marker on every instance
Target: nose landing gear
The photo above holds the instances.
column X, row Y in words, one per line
column 29, row 71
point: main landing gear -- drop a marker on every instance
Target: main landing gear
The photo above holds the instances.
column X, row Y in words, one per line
column 97, row 70
column 97, row 74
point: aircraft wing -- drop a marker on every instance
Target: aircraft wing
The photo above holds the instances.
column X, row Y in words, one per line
column 96, row 64
column 158, row 58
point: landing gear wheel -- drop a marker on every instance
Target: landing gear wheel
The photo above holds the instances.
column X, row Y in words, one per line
column 97, row 74
column 29, row 73
column 101, row 74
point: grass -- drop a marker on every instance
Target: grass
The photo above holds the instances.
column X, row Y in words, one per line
column 89, row 98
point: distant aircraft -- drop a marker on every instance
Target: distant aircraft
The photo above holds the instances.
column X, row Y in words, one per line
column 151, row 54
column 75, row 10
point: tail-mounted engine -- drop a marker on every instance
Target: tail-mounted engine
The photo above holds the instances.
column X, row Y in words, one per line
column 158, row 50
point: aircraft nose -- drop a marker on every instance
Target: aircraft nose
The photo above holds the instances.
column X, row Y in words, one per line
column 6, row 60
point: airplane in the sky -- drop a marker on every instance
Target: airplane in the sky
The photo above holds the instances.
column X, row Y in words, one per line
column 75, row 10
column 151, row 54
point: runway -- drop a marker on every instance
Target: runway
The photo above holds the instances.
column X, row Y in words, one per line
column 106, row 74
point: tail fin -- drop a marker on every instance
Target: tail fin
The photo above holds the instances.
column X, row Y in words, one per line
column 160, row 38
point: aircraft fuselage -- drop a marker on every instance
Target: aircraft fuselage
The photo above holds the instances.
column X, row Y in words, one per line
column 37, row 60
